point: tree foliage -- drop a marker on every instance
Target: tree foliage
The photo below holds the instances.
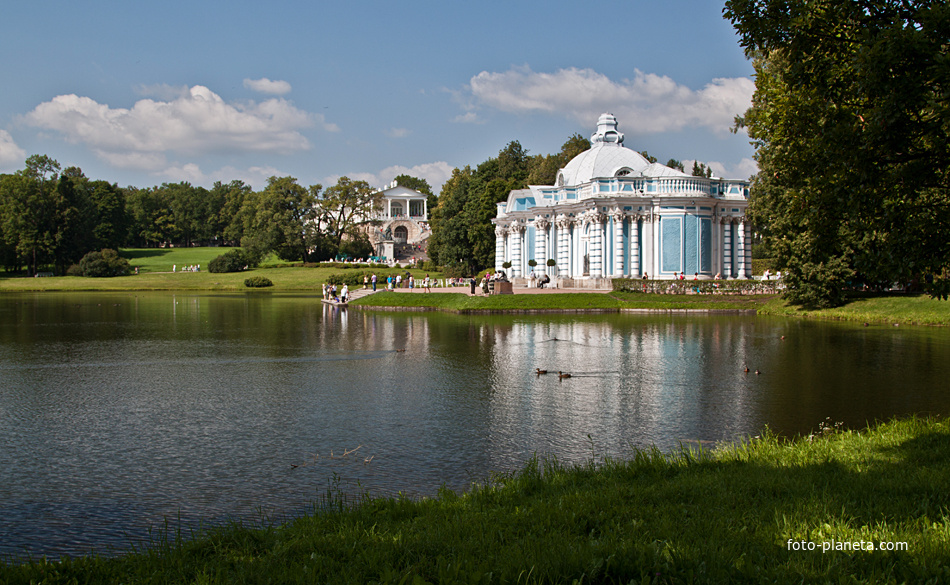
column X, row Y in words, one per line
column 281, row 219
column 345, row 206
column 851, row 122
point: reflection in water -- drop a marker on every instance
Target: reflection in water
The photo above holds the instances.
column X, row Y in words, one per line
column 118, row 411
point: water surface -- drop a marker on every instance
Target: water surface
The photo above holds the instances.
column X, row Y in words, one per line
column 119, row 411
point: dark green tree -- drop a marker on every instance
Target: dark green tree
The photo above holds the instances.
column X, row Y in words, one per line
column 449, row 243
column 345, row 207
column 851, row 123
column 150, row 216
column 281, row 219
column 700, row 169
column 225, row 203
column 31, row 212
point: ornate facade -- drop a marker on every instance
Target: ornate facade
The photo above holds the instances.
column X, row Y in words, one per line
column 614, row 214
column 401, row 220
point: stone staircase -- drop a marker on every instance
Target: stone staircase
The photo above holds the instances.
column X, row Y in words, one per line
column 358, row 292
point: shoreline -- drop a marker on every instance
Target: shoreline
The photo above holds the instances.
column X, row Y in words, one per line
column 883, row 309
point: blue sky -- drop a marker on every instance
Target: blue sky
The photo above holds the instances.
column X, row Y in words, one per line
column 145, row 93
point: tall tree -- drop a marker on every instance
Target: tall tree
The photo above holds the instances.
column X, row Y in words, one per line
column 345, row 206
column 851, row 123
column 32, row 212
column 230, row 200
column 281, row 219
column 150, row 216
column 449, row 244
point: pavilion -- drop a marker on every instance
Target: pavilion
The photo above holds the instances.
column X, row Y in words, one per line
column 615, row 214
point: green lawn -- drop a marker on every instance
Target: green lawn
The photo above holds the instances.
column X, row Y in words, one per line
column 902, row 309
column 746, row 513
column 155, row 273
column 163, row 259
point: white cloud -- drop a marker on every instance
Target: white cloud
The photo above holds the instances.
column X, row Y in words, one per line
column 467, row 118
column 195, row 122
column 435, row 174
column 741, row 170
column 254, row 176
column 11, row 155
column 397, row 132
column 267, row 86
column 648, row 103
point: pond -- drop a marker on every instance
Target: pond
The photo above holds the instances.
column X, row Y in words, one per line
column 121, row 412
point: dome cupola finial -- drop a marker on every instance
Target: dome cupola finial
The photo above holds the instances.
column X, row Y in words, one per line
column 606, row 131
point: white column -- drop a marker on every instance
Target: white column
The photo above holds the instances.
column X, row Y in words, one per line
column 747, row 247
column 500, row 231
column 740, row 248
column 562, row 246
column 515, row 233
column 635, row 246
column 727, row 248
column 541, row 244
column 597, row 247
column 618, row 218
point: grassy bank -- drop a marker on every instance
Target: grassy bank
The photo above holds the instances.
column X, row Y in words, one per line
column 903, row 309
column 463, row 302
column 736, row 514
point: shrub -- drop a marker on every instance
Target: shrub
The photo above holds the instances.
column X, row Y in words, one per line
column 104, row 264
column 352, row 278
column 454, row 271
column 231, row 261
column 74, row 270
column 257, row 282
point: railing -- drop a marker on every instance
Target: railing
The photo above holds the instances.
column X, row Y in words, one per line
column 682, row 287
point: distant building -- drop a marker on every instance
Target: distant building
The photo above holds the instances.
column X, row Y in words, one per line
column 401, row 221
column 614, row 214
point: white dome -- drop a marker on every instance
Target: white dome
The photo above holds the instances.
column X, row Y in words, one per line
column 607, row 157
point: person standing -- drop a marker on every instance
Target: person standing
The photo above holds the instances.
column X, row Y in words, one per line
column 426, row 283
column 344, row 293
column 374, row 282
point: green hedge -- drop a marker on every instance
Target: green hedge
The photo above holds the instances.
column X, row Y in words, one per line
column 258, row 282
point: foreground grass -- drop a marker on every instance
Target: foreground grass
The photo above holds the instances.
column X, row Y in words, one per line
column 702, row 517
column 904, row 309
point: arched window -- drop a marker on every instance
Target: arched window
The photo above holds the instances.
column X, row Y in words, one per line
column 624, row 172
column 401, row 234
column 396, row 209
